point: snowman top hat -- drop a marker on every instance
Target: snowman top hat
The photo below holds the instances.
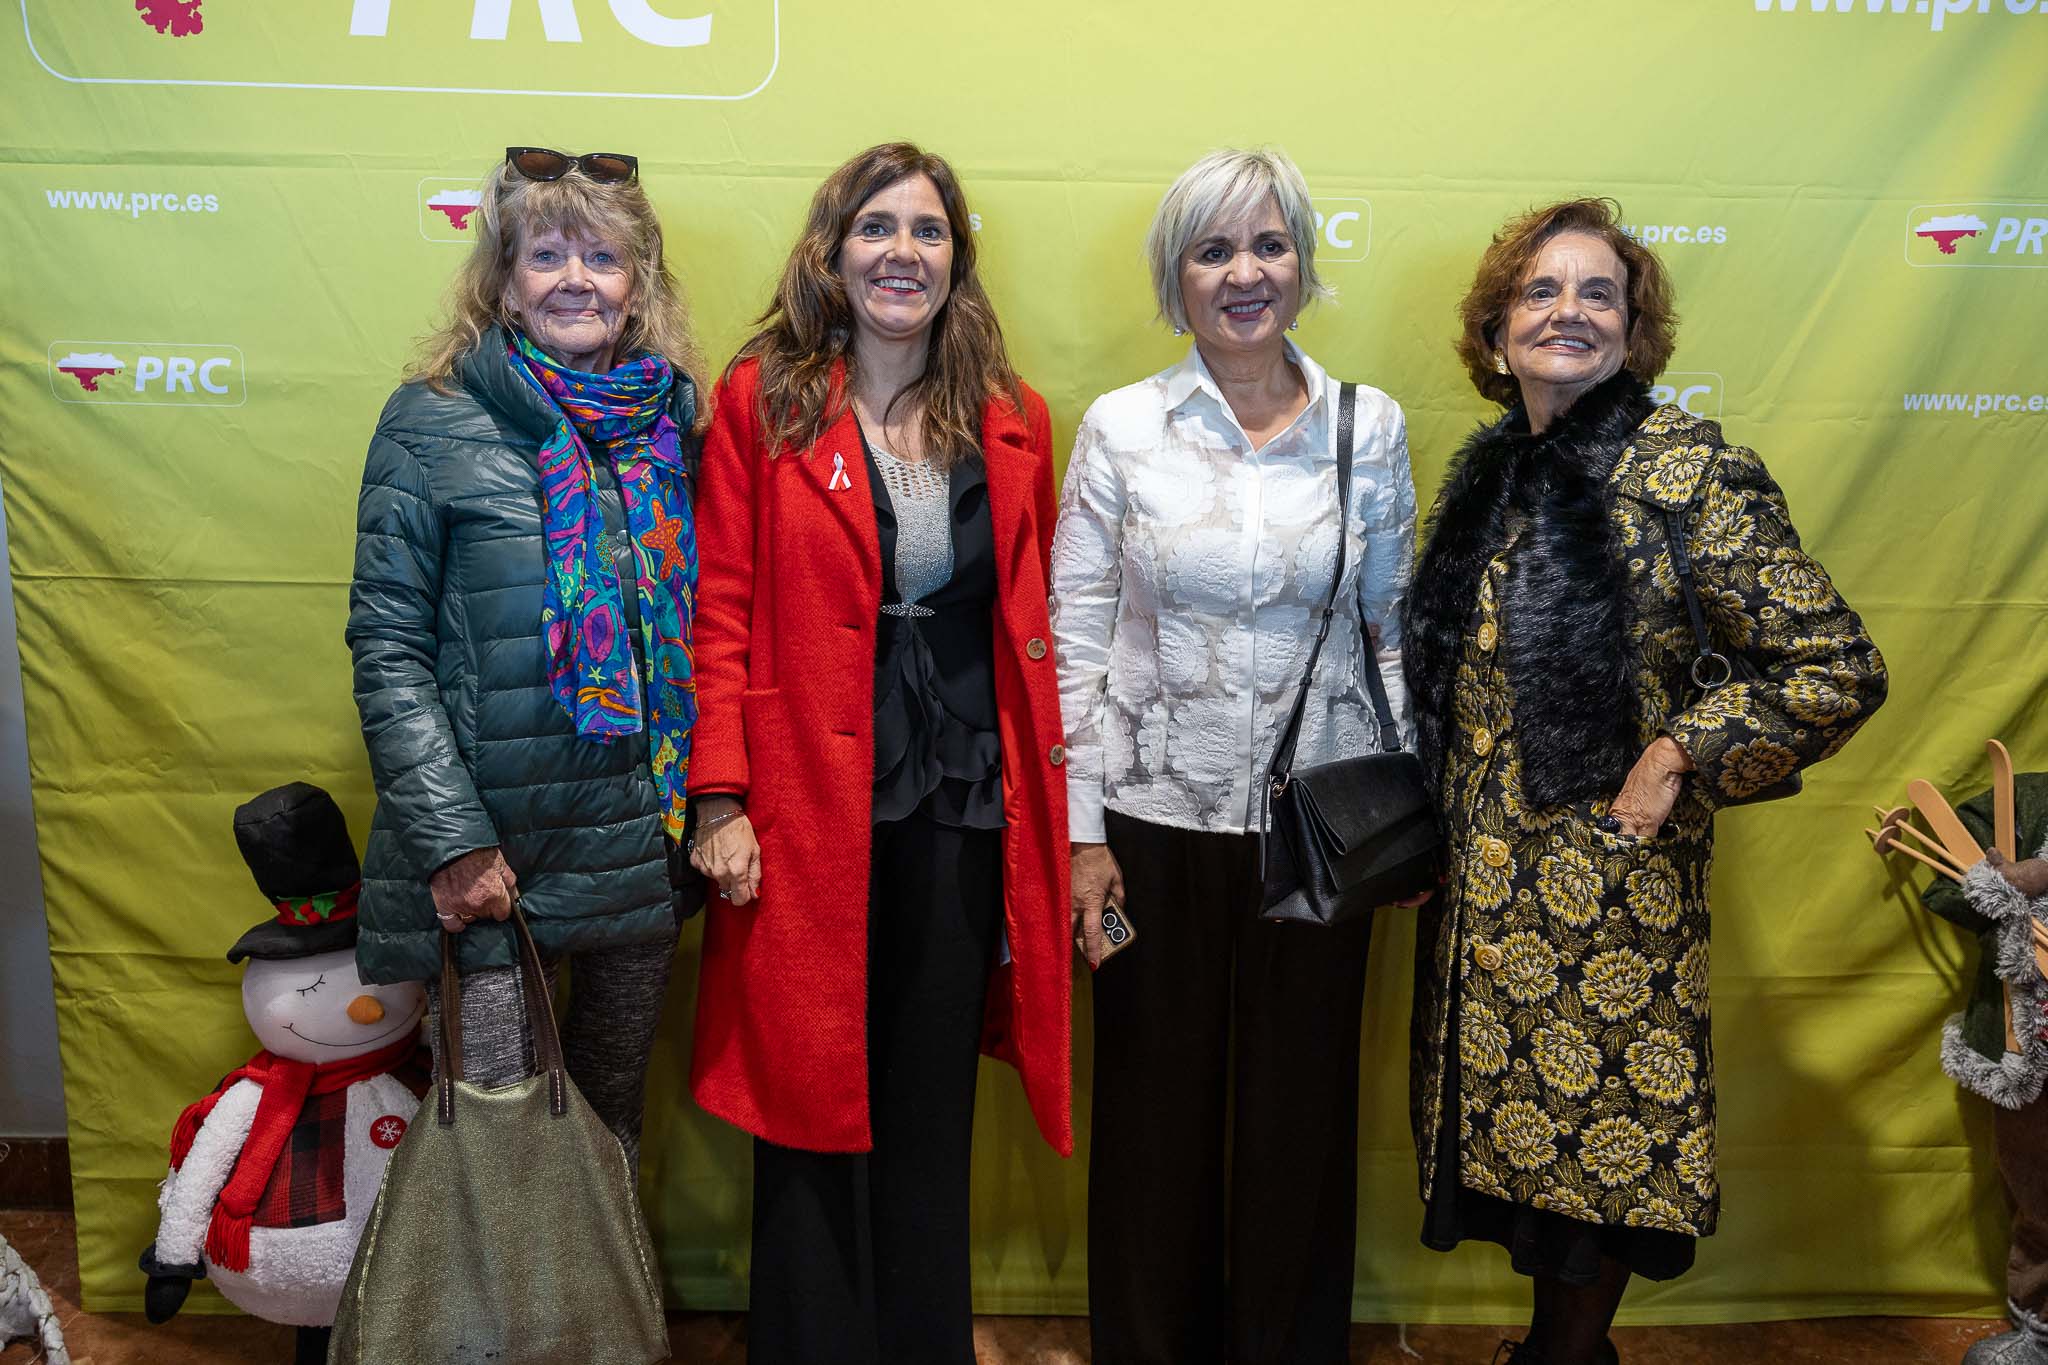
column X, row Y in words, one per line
column 296, row 841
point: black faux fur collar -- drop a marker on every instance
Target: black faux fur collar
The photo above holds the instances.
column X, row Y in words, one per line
column 1566, row 610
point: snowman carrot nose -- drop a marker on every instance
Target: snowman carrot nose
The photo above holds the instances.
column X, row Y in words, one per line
column 366, row 1009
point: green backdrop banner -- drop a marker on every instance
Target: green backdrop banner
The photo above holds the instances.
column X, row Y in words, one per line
column 225, row 222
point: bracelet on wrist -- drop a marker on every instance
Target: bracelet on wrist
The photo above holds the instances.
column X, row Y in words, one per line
column 713, row 823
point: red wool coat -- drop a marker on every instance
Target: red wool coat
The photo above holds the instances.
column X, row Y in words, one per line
column 789, row 589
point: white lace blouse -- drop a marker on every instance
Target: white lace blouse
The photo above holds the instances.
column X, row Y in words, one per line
column 1187, row 573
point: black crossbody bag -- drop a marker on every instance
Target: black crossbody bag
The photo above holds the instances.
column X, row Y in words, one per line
column 1342, row 838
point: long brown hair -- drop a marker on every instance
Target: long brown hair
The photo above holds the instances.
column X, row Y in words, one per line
column 809, row 325
column 513, row 208
column 1652, row 321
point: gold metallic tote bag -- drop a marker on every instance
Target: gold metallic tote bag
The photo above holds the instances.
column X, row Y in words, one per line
column 508, row 1229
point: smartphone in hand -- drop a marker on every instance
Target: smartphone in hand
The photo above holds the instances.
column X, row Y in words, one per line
column 1118, row 933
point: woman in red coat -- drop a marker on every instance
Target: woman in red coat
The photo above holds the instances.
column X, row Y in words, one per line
column 877, row 772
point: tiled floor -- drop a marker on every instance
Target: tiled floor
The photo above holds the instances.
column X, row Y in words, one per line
column 45, row 1241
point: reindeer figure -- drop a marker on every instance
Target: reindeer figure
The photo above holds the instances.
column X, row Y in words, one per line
column 1997, row 1045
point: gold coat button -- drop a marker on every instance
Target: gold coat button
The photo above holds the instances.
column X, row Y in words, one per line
column 1058, row 754
column 1493, row 852
column 1482, row 743
column 1034, row 648
column 1488, row 636
column 1487, row 956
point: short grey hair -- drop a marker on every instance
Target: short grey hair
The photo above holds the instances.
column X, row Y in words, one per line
column 1225, row 184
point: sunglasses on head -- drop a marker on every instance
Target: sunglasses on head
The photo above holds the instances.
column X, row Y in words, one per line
column 542, row 163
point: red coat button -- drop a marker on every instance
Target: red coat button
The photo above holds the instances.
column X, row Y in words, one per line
column 385, row 1132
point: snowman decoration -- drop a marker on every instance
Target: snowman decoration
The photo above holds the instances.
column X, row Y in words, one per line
column 273, row 1175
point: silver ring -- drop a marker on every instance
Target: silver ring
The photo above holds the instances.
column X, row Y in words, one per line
column 1710, row 671
column 725, row 895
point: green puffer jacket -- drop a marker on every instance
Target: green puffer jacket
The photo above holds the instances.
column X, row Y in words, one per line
column 468, row 748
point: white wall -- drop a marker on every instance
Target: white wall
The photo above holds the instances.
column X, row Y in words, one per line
column 31, row 1090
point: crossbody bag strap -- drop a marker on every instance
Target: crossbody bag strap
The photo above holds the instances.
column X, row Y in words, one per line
column 1376, row 686
column 1283, row 753
column 1711, row 668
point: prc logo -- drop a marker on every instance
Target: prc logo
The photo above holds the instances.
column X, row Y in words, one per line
column 2013, row 236
column 448, row 209
column 1697, row 391
column 456, row 206
column 492, row 19
column 90, row 367
column 1946, row 230
column 148, row 373
column 577, row 49
column 174, row 18
column 1344, row 230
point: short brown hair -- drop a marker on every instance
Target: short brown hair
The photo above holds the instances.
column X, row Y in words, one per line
column 809, row 324
column 1220, row 186
column 1652, row 322
column 513, row 207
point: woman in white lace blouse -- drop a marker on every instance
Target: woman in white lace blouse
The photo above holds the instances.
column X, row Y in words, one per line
column 1196, row 539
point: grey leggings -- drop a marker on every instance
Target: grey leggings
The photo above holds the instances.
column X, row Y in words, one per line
column 607, row 1033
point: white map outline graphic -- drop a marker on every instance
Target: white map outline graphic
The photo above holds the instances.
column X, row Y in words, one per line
column 1916, row 216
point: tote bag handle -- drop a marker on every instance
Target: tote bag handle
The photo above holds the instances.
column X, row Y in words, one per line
column 540, row 1017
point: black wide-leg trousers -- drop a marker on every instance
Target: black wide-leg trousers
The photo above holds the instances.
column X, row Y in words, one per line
column 1215, row 1023
column 862, row 1258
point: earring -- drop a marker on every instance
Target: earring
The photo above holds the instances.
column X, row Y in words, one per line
column 1180, row 331
column 1500, row 363
column 1294, row 326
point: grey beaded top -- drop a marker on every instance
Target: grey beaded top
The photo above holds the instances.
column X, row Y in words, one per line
column 920, row 495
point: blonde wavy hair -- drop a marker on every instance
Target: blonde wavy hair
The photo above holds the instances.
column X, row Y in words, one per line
column 515, row 208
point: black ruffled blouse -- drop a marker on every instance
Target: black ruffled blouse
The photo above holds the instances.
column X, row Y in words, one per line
column 937, row 749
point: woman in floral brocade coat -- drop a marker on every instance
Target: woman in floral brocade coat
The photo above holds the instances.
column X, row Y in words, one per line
column 1562, row 1086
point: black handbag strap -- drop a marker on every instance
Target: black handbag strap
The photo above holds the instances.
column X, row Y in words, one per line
column 1390, row 734
column 1711, row 669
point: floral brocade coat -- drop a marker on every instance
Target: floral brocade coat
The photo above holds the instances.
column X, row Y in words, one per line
column 1586, row 1083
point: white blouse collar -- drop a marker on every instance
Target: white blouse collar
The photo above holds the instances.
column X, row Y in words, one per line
column 1191, row 376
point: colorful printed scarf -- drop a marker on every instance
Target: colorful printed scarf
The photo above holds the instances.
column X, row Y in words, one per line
column 623, row 415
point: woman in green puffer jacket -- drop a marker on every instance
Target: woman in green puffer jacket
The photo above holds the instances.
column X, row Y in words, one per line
column 520, row 621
